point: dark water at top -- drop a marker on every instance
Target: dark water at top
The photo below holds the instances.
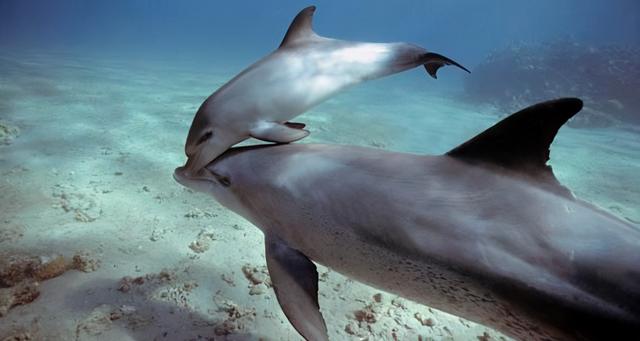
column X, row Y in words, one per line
column 210, row 30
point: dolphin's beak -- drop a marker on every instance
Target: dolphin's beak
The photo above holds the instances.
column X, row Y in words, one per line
column 204, row 155
column 195, row 180
column 195, row 162
column 180, row 175
column 188, row 179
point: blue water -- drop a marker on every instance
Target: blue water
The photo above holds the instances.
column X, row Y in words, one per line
column 212, row 30
column 96, row 98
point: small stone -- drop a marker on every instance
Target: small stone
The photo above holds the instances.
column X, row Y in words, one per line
column 189, row 286
column 255, row 275
column 156, row 235
column 199, row 246
column 166, row 275
column 351, row 328
column 424, row 321
column 125, row 284
column 228, row 279
column 365, row 315
column 484, row 337
column 258, row 289
column 197, row 213
column 398, row 302
column 324, row 276
column 127, row 309
column 377, row 297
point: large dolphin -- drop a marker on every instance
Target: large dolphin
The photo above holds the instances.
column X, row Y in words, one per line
column 485, row 231
column 305, row 70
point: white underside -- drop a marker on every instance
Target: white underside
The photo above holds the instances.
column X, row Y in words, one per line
column 288, row 83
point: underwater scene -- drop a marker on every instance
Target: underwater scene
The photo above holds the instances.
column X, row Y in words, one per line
column 335, row 170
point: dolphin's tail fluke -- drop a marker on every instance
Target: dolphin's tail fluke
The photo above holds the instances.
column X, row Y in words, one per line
column 434, row 61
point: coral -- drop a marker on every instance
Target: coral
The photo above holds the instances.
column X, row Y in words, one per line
column 83, row 206
column 22, row 293
column 15, row 269
column 203, row 241
column 258, row 277
column 197, row 213
column 20, row 275
column 607, row 78
column 163, row 286
column 50, row 267
column 83, row 261
column 97, row 322
column 237, row 318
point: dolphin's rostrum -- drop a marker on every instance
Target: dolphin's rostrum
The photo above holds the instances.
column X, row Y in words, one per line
column 305, row 70
column 485, row 232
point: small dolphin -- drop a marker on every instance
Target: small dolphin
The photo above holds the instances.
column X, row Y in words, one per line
column 305, row 70
column 485, row 231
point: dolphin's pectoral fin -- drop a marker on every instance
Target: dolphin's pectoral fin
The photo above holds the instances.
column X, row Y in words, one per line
column 521, row 141
column 433, row 62
column 295, row 281
column 279, row 133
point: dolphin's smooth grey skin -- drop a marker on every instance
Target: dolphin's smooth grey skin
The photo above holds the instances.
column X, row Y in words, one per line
column 485, row 232
column 305, row 70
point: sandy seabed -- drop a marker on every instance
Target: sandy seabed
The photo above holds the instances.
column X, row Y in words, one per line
column 98, row 242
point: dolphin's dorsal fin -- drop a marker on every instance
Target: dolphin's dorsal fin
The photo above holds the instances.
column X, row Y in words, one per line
column 300, row 28
column 521, row 141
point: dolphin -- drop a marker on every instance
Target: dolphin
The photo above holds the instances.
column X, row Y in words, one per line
column 485, row 231
column 305, row 70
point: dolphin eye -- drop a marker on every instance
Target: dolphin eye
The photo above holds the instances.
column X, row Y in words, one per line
column 205, row 137
column 224, row 181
